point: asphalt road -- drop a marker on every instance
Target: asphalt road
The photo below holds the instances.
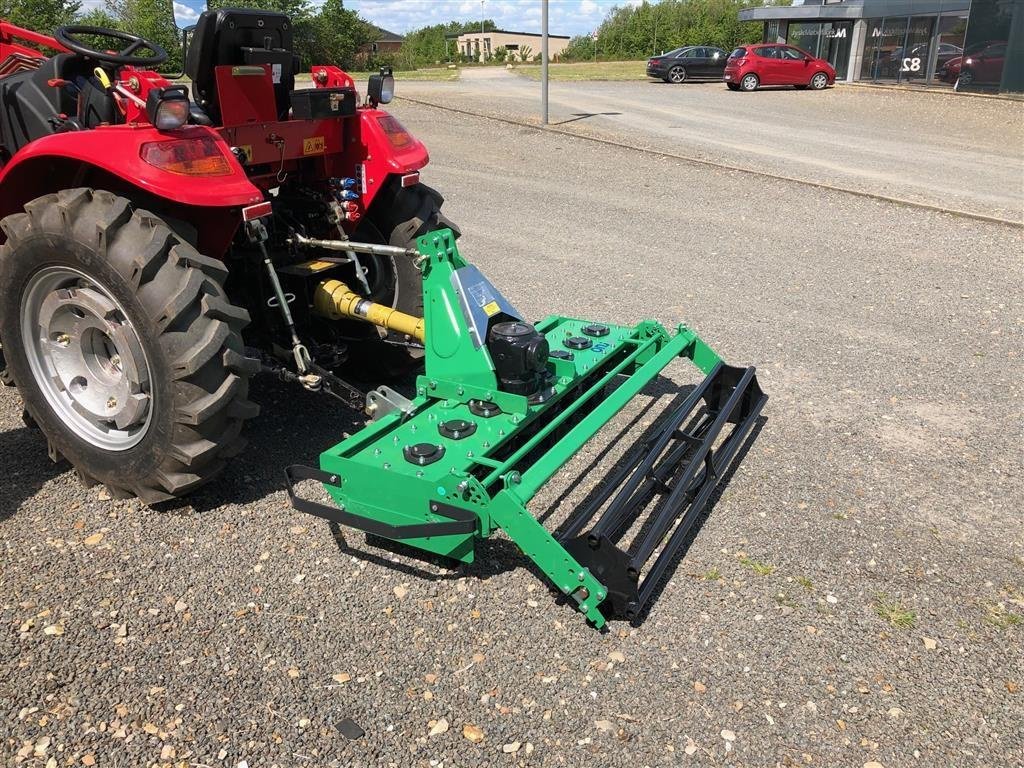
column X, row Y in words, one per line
column 853, row 599
column 960, row 153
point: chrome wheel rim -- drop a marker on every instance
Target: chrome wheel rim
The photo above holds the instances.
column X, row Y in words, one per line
column 86, row 358
column 819, row 81
column 749, row 83
column 677, row 75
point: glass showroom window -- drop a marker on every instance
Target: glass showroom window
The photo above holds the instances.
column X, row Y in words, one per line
column 829, row 41
column 993, row 57
column 808, row 36
column 883, row 49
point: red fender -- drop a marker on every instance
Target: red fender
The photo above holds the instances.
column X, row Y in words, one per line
column 116, row 150
column 385, row 148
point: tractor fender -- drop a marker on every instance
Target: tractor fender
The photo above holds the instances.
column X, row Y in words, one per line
column 68, row 159
column 385, row 149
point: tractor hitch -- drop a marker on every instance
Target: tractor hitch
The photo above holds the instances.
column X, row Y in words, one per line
column 503, row 405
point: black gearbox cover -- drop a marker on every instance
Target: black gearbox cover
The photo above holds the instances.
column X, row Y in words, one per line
column 520, row 356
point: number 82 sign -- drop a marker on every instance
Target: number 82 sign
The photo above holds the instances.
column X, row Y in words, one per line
column 911, row 65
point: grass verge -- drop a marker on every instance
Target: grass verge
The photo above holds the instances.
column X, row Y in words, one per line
column 590, row 70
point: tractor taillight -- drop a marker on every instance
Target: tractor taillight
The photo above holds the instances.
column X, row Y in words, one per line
column 188, row 157
column 395, row 131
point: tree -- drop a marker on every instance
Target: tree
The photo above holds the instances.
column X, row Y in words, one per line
column 97, row 17
column 153, row 20
column 638, row 31
column 39, row 15
column 335, row 36
column 296, row 10
column 430, row 45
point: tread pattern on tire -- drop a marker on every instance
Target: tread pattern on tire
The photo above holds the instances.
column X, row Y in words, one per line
column 197, row 329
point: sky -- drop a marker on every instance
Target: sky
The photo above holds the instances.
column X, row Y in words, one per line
column 566, row 17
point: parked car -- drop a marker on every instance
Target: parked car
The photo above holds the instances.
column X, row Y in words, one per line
column 980, row 64
column 946, row 52
column 751, row 66
column 691, row 62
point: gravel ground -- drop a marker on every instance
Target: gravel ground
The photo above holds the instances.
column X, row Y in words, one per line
column 931, row 147
column 853, row 599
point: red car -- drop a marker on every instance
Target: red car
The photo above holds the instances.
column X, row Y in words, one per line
column 981, row 64
column 751, row 66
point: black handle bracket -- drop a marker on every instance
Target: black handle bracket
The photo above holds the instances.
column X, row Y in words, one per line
column 460, row 521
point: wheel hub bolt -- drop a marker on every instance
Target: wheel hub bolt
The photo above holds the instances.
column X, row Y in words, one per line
column 115, row 360
column 63, row 339
column 112, row 403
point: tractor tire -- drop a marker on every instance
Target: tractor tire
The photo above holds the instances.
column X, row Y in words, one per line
column 395, row 281
column 124, row 347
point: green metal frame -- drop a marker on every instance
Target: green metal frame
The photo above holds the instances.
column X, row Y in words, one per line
column 482, row 472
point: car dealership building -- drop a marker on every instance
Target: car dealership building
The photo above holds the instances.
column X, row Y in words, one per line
column 970, row 45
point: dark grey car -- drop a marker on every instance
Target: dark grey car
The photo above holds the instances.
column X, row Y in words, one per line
column 693, row 62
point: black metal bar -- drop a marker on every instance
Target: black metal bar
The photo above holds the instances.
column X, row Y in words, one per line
column 657, row 479
column 460, row 521
column 585, row 514
column 640, row 551
column 612, row 516
column 723, row 458
column 687, row 472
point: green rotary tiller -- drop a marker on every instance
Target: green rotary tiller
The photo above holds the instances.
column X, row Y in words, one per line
column 502, row 406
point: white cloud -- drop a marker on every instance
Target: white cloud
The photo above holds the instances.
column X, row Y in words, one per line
column 184, row 15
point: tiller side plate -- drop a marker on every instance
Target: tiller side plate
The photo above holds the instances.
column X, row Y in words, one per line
column 503, row 405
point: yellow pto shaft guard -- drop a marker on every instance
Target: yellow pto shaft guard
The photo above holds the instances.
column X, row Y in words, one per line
column 335, row 300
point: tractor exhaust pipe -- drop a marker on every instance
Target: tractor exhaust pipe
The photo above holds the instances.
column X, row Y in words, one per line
column 335, row 300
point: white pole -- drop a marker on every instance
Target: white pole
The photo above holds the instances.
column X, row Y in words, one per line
column 544, row 61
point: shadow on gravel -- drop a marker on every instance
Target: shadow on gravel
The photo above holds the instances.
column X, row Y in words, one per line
column 584, row 115
column 24, row 478
column 492, row 558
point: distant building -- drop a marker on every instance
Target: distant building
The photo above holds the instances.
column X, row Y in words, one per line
column 482, row 45
column 383, row 42
column 973, row 45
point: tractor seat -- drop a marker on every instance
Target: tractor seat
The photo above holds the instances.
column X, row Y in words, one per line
column 30, row 108
column 240, row 37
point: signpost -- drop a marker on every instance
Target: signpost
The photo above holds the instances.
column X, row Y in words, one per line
column 544, row 61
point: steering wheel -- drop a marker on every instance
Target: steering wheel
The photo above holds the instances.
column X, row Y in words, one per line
column 67, row 36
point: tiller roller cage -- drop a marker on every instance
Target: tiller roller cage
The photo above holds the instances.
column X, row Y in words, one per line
column 503, row 405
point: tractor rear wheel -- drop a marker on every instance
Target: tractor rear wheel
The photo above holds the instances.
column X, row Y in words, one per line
column 124, row 347
column 396, row 281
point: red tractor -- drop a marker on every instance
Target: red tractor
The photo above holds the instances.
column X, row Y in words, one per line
column 161, row 247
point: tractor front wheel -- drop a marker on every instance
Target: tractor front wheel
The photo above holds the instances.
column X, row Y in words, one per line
column 124, row 347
